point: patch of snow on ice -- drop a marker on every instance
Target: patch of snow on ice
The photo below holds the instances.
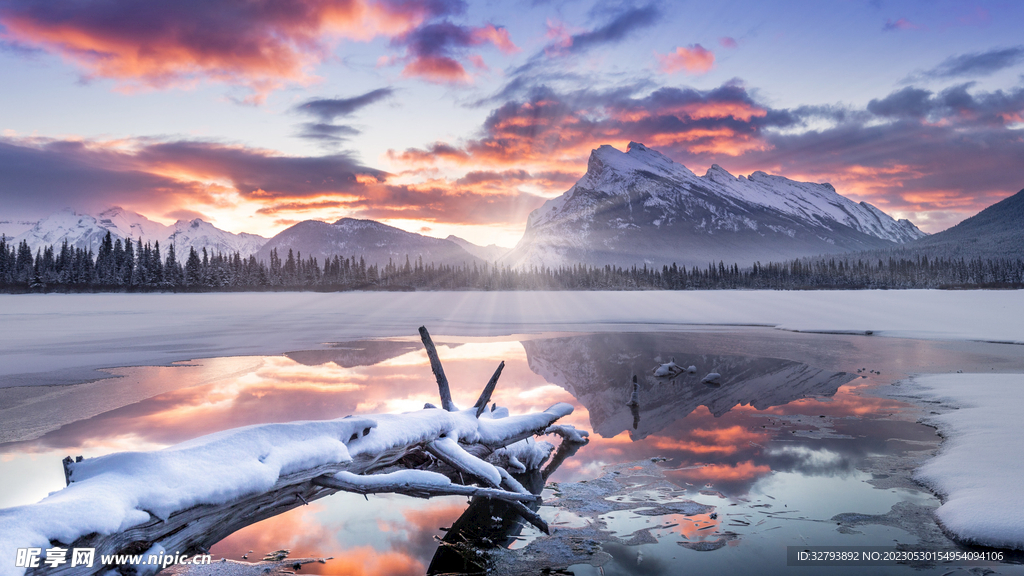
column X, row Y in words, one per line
column 979, row 469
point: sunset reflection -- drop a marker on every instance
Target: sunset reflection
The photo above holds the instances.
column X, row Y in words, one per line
column 767, row 416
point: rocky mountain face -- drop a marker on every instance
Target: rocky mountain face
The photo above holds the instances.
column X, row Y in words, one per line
column 640, row 207
column 87, row 231
column 377, row 243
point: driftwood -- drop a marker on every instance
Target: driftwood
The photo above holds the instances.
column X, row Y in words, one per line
column 426, row 459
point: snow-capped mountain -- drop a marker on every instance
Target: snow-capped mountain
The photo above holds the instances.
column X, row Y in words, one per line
column 375, row 242
column 490, row 253
column 641, row 207
column 199, row 233
column 87, row 231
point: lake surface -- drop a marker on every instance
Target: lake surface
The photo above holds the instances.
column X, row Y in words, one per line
column 797, row 444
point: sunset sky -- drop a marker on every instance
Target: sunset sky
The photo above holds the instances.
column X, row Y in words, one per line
column 445, row 116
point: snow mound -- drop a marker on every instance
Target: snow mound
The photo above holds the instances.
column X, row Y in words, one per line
column 978, row 470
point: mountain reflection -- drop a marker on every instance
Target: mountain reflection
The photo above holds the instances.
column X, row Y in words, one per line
column 597, row 370
column 765, row 415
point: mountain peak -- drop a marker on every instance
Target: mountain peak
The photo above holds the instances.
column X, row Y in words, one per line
column 639, row 206
column 636, row 146
column 718, row 174
column 637, row 157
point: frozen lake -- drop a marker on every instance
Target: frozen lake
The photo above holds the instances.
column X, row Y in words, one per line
column 800, row 443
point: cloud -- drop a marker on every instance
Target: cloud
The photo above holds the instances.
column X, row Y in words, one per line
column 953, row 105
column 552, row 130
column 328, row 109
column 694, row 59
column 899, row 24
column 259, row 45
column 728, row 42
column 615, row 30
column 434, row 51
column 186, row 215
column 936, row 157
column 328, row 133
column 159, row 177
column 977, row 64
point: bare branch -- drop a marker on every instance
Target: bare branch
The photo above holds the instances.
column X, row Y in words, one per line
column 435, row 366
column 417, row 483
column 485, row 396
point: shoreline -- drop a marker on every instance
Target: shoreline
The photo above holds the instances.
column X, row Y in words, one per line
column 975, row 472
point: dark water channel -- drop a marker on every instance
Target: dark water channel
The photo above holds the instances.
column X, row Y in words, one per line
column 797, row 443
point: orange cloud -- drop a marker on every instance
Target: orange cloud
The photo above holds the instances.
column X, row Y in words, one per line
column 497, row 36
column 257, row 45
column 434, row 51
column 694, row 59
column 439, row 69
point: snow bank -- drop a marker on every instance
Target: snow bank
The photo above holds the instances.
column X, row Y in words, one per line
column 66, row 336
column 979, row 470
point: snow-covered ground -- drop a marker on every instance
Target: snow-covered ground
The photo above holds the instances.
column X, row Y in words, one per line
column 59, row 338
column 978, row 471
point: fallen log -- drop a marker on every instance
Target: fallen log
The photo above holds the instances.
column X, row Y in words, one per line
column 187, row 497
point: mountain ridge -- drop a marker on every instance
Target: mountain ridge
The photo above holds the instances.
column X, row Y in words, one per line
column 640, row 207
column 87, row 231
column 374, row 241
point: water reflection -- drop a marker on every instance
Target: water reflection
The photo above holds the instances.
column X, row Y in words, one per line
column 769, row 415
column 597, row 368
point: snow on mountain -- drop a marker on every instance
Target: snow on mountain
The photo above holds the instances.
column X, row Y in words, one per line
column 199, row 233
column 377, row 243
column 641, row 207
column 490, row 253
column 87, row 231
column 81, row 230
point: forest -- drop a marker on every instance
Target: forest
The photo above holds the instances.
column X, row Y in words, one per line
column 136, row 267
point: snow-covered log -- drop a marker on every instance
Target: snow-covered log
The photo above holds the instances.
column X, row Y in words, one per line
column 185, row 498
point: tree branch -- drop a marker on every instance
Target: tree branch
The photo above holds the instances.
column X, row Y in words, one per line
column 485, row 396
column 435, row 365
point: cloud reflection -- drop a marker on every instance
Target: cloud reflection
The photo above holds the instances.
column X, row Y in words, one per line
column 725, row 439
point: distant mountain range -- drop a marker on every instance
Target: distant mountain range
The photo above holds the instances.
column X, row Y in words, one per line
column 376, row 243
column 87, row 231
column 996, row 231
column 639, row 206
column 630, row 208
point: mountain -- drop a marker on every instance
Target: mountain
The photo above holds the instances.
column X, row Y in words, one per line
column 490, row 253
column 641, row 207
column 87, row 231
column 996, row 231
column 377, row 243
column 199, row 233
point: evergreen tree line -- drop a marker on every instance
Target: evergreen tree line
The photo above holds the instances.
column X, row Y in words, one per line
column 128, row 267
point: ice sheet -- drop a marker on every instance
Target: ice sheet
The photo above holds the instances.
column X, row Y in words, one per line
column 67, row 335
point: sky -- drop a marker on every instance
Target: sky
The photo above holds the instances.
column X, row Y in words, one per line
column 456, row 117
